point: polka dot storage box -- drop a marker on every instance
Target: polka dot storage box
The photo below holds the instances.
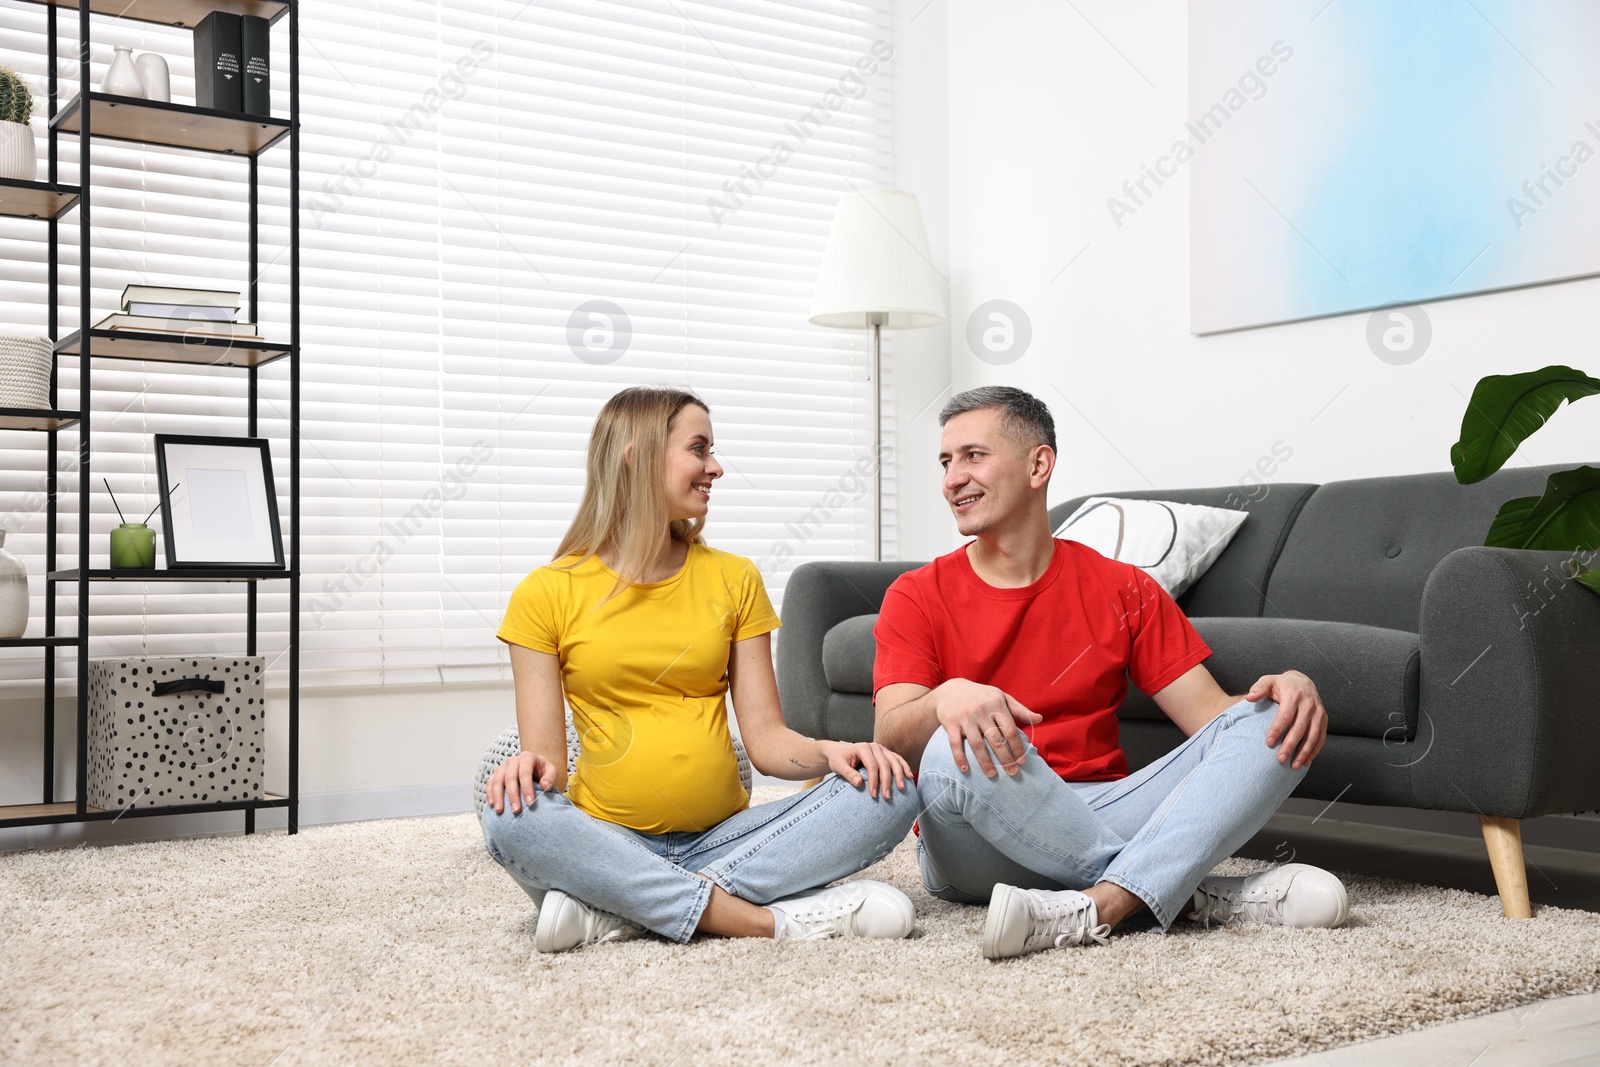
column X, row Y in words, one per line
column 167, row 730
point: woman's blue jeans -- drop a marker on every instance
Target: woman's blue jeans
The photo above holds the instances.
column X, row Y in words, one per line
column 663, row 881
column 1155, row 833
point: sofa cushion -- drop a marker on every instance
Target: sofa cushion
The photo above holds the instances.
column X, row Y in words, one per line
column 1361, row 550
column 1236, row 583
column 847, row 652
column 1174, row 543
column 1367, row 675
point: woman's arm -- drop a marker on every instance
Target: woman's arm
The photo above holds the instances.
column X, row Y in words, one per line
column 781, row 752
column 541, row 727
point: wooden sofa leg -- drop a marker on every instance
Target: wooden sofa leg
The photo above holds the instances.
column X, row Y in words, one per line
column 1503, row 837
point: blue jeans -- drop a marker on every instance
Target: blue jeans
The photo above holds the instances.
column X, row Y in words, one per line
column 663, row 881
column 1155, row 833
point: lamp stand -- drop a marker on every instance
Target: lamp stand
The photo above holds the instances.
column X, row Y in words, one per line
column 877, row 438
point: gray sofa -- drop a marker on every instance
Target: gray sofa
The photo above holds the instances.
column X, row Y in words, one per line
column 1456, row 677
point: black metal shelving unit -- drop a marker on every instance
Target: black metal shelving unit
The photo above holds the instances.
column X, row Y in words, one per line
column 91, row 116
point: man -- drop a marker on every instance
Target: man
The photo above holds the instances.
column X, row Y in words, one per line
column 1011, row 655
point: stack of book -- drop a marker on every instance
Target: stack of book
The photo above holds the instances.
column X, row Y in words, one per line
column 162, row 309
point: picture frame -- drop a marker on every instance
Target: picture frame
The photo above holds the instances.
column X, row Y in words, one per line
column 219, row 503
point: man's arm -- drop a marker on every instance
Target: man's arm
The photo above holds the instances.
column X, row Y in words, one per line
column 1194, row 698
column 981, row 715
column 904, row 717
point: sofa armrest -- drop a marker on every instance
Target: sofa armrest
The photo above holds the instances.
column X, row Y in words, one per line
column 1510, row 722
column 817, row 598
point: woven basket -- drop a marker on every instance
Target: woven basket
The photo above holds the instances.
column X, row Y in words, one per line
column 24, row 372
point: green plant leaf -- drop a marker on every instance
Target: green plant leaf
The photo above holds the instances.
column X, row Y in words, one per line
column 1503, row 531
column 1505, row 409
column 1566, row 517
column 1589, row 577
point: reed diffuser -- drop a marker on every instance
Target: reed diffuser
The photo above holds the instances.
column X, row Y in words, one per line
column 133, row 544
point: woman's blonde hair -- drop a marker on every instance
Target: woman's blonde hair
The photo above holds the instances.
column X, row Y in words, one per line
column 624, row 504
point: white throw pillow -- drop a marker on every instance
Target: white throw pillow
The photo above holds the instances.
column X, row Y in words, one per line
column 1175, row 543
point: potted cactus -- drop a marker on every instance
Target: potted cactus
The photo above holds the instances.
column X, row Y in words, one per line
column 18, row 158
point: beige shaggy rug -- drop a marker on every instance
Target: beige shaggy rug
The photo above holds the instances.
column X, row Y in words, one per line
column 401, row 941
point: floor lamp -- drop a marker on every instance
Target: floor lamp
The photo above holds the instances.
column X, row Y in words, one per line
column 877, row 273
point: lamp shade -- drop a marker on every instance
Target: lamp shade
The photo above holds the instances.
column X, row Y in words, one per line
column 876, row 267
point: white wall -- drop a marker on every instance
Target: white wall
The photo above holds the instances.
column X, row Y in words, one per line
column 1047, row 109
column 1014, row 122
column 1018, row 120
column 921, row 358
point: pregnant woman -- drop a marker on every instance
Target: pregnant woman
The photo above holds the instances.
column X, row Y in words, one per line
column 646, row 630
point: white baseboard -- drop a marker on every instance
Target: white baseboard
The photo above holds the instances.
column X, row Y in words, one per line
column 316, row 809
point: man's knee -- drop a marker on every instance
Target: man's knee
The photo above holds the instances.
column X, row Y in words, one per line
column 1259, row 713
column 1252, row 718
column 1251, row 726
column 937, row 757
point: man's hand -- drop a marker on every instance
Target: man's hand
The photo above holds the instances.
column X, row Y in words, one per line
column 985, row 718
column 1302, row 722
column 518, row 775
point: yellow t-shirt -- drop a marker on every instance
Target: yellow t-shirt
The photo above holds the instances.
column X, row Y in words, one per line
column 646, row 674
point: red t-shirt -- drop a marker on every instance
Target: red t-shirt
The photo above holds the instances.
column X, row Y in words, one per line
column 1064, row 646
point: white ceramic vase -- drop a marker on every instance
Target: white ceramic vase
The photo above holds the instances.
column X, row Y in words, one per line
column 154, row 74
column 13, row 593
column 122, row 77
column 18, row 157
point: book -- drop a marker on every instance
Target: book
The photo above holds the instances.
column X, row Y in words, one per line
column 165, row 294
column 192, row 312
column 217, row 45
column 255, row 57
column 241, row 331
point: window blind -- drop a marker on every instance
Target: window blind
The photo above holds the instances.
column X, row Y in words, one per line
column 509, row 211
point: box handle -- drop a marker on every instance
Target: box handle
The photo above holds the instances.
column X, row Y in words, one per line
column 186, row 685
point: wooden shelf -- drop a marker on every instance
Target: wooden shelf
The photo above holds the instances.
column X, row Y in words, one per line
column 67, row 810
column 35, row 811
column 36, row 200
column 196, row 349
column 177, row 12
column 109, row 119
column 36, row 419
column 203, row 129
column 167, row 574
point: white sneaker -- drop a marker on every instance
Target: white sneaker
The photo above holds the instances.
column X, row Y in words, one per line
column 1027, row 920
column 567, row 922
column 850, row 909
column 1295, row 894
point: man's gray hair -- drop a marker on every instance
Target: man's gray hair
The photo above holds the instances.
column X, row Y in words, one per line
column 1024, row 417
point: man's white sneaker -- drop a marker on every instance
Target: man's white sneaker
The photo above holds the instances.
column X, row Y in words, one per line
column 567, row 922
column 861, row 908
column 1027, row 920
column 1295, row 894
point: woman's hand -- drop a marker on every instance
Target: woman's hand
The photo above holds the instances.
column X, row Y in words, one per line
column 515, row 777
column 880, row 763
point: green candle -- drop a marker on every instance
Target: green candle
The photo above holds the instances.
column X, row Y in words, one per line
column 133, row 547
